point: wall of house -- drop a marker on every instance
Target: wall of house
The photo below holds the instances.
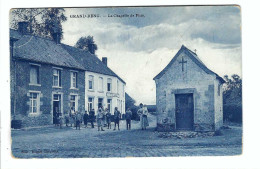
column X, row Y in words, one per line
column 192, row 80
column 46, row 91
column 117, row 93
column 218, row 104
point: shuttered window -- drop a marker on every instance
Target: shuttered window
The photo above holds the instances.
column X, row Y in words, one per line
column 34, row 74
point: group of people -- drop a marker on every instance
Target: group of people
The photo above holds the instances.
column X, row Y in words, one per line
column 103, row 118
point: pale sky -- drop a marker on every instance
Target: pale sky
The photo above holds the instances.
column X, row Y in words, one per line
column 138, row 48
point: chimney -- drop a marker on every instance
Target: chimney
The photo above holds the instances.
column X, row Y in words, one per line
column 23, row 27
column 57, row 31
column 104, row 60
column 57, row 37
column 91, row 48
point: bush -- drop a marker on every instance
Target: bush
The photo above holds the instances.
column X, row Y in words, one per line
column 16, row 124
column 232, row 113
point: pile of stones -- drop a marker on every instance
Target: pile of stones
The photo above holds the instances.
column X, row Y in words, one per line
column 185, row 134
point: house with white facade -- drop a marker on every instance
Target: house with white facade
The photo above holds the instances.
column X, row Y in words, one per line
column 102, row 86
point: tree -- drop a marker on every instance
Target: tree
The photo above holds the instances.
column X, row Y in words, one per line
column 42, row 22
column 232, row 98
column 87, row 43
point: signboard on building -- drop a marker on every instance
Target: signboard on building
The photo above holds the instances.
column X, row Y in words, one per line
column 109, row 94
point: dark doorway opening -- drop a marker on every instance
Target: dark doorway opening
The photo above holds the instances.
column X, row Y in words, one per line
column 56, row 107
column 184, row 111
column 100, row 102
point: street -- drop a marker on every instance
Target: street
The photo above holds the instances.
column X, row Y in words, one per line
column 52, row 142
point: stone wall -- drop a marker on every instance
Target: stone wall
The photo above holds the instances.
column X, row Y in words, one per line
column 192, row 80
column 218, row 104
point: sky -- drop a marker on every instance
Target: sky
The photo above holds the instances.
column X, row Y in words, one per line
column 139, row 47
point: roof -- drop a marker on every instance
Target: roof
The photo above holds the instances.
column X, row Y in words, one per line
column 14, row 34
column 193, row 56
column 90, row 62
column 43, row 50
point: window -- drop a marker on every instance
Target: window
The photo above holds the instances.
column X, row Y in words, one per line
column 34, row 74
column 109, row 85
column 91, row 82
column 100, row 84
column 100, row 102
column 34, row 103
column 74, row 102
column 90, row 103
column 74, row 79
column 56, row 77
column 109, row 105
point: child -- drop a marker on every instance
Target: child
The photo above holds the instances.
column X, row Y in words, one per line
column 78, row 120
column 117, row 116
column 85, row 118
column 128, row 116
column 108, row 116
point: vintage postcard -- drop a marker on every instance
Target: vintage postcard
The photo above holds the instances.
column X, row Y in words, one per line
column 103, row 82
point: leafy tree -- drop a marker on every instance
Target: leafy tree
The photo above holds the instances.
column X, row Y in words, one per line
column 42, row 21
column 232, row 98
column 87, row 43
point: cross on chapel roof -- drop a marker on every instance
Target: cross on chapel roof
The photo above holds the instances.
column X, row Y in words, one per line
column 193, row 56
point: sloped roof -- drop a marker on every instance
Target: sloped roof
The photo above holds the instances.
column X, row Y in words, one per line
column 43, row 50
column 193, row 56
column 14, row 34
column 90, row 62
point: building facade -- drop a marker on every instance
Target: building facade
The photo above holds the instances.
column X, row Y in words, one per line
column 103, row 86
column 45, row 80
column 104, row 90
column 48, row 77
column 188, row 95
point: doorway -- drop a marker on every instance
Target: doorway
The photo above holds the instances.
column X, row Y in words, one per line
column 56, row 107
column 184, row 111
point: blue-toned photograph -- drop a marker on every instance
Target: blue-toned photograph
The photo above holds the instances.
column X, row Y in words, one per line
column 102, row 82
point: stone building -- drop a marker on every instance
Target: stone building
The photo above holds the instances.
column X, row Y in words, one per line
column 188, row 95
column 48, row 77
column 45, row 79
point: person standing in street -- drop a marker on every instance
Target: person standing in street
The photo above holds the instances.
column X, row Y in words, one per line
column 72, row 117
column 128, row 116
column 60, row 120
column 67, row 119
column 92, row 117
column 104, row 117
column 117, row 116
column 85, row 119
column 100, row 117
column 78, row 118
column 143, row 112
column 108, row 117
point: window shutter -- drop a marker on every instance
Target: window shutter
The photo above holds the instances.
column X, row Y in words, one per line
column 59, row 72
column 76, row 80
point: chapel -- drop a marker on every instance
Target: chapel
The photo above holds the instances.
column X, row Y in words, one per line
column 188, row 95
